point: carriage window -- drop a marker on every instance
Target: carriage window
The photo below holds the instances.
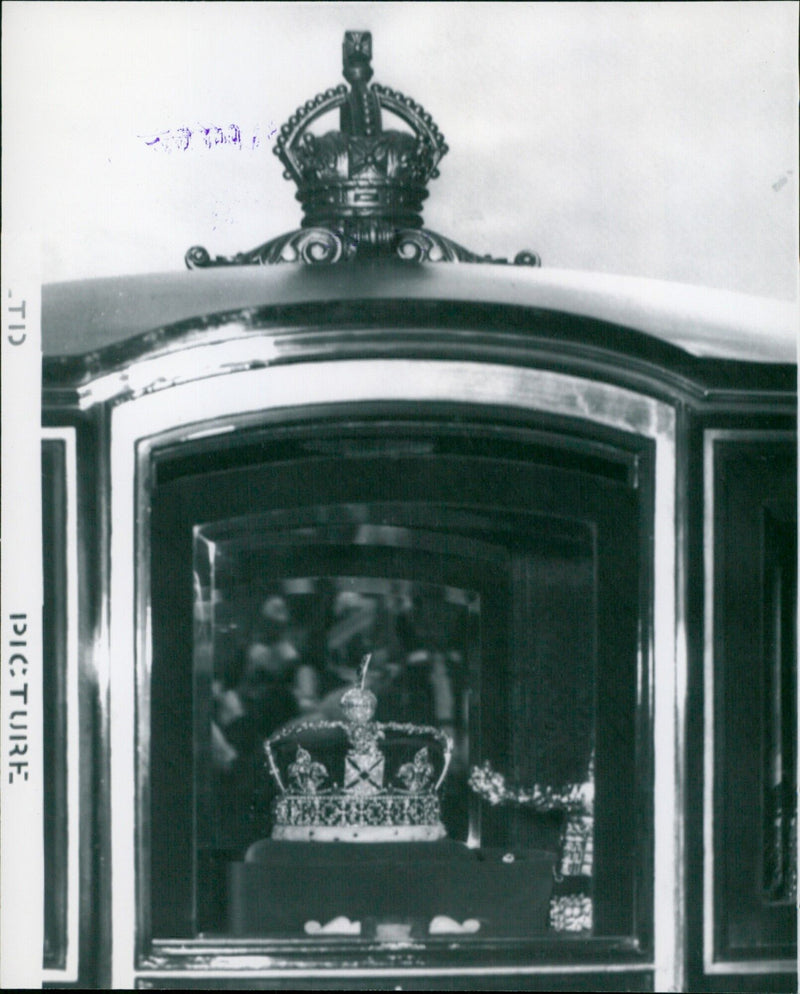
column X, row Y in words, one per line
column 401, row 661
column 755, row 669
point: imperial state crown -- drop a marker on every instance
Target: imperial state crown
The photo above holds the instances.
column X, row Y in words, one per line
column 384, row 785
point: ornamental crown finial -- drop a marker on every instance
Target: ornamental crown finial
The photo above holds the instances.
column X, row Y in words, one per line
column 361, row 187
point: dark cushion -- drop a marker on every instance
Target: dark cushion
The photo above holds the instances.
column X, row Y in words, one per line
column 282, row 885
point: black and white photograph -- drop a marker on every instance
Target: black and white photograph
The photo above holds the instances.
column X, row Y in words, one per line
column 399, row 496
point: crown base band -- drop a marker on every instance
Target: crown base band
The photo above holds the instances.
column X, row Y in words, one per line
column 355, row 223
column 330, row 205
column 359, row 833
column 384, row 816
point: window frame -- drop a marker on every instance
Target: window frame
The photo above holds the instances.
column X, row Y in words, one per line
column 62, row 561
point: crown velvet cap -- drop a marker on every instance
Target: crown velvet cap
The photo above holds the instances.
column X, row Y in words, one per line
column 361, row 187
column 390, row 775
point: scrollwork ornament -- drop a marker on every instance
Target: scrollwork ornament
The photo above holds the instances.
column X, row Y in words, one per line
column 319, row 246
column 413, row 246
column 198, row 258
column 527, row 258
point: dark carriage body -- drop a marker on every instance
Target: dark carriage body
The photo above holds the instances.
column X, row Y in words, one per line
column 652, row 424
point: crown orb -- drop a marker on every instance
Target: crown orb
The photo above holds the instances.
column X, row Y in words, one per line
column 359, row 705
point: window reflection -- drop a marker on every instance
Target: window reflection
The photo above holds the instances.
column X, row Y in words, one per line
column 289, row 657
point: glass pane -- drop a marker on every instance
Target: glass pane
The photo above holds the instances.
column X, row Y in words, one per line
column 480, row 628
column 501, row 600
column 780, row 774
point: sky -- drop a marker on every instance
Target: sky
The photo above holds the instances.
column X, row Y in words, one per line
column 644, row 139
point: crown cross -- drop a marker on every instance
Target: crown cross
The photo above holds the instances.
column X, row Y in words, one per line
column 363, row 773
column 361, row 112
